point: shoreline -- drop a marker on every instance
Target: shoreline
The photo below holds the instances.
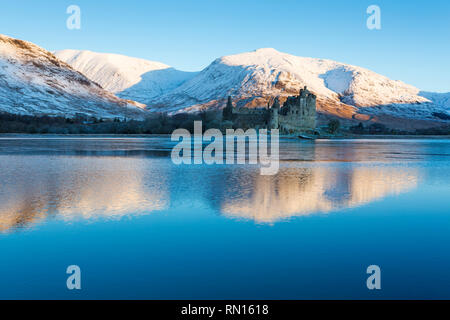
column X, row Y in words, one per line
column 292, row 137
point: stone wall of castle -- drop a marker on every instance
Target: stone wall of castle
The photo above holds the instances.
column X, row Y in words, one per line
column 249, row 118
column 298, row 115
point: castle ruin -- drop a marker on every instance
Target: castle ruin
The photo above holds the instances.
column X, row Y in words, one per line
column 297, row 115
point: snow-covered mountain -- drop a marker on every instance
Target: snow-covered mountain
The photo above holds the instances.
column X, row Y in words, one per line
column 267, row 71
column 343, row 90
column 129, row 78
column 33, row 81
column 442, row 99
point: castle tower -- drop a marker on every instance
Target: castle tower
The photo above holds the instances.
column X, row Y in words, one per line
column 311, row 104
column 311, row 110
column 227, row 114
column 304, row 92
column 274, row 111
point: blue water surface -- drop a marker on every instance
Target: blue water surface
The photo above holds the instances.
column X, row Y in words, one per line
column 141, row 227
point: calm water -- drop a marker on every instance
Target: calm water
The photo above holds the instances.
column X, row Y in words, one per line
column 141, row 227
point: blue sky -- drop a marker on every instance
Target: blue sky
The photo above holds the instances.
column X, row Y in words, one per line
column 413, row 44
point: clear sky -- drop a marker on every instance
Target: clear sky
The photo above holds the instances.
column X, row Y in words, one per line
column 413, row 44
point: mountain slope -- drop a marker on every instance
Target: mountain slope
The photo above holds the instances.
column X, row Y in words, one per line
column 343, row 90
column 33, row 81
column 442, row 99
column 253, row 79
column 129, row 78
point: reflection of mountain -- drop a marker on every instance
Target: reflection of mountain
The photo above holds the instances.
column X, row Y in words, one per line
column 71, row 178
column 110, row 187
column 70, row 189
column 304, row 191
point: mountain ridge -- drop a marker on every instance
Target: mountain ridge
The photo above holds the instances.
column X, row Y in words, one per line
column 127, row 77
column 349, row 92
column 34, row 82
column 253, row 79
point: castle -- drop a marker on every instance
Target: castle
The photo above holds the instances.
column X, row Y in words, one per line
column 298, row 114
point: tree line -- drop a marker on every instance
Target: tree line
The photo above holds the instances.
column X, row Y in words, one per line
column 158, row 123
column 161, row 123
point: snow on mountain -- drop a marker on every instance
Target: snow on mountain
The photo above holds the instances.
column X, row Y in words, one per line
column 343, row 90
column 33, row 81
column 129, row 78
column 442, row 99
column 253, row 79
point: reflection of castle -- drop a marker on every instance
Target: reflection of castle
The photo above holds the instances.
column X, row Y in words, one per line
column 305, row 191
column 297, row 115
column 90, row 193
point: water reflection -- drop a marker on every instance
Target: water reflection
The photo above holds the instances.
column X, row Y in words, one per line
column 181, row 226
column 304, row 191
column 37, row 187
